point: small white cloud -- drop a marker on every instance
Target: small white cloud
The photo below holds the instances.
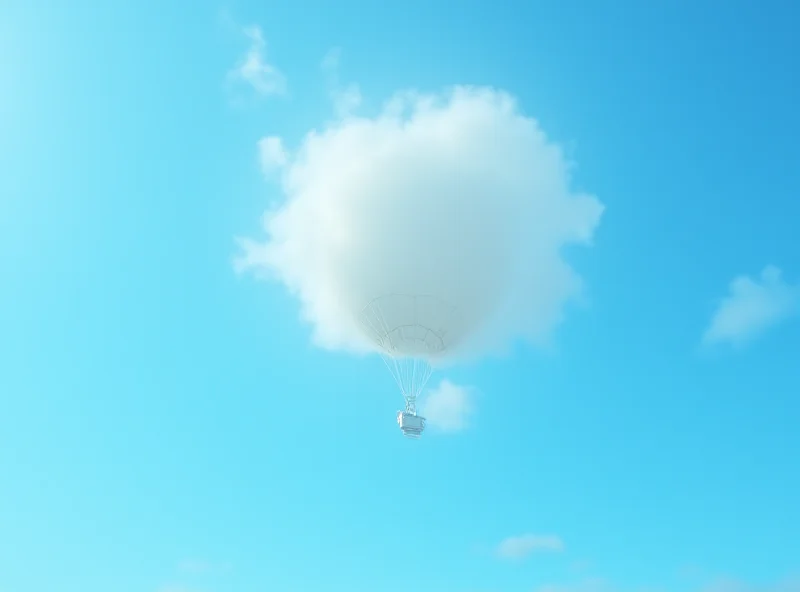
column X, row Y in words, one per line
column 752, row 307
column 448, row 407
column 272, row 155
column 345, row 99
column 519, row 547
column 255, row 70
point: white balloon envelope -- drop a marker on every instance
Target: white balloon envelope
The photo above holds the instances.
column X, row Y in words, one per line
column 410, row 332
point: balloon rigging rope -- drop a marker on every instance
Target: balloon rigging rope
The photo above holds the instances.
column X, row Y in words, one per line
column 410, row 373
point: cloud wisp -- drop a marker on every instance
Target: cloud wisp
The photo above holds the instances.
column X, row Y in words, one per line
column 272, row 155
column 751, row 307
column 516, row 548
column 346, row 99
column 255, row 70
column 448, row 407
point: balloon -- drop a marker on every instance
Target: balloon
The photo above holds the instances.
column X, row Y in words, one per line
column 410, row 332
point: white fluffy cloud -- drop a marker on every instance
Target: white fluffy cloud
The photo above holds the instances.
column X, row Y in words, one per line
column 254, row 69
column 456, row 195
column 448, row 407
column 753, row 306
column 519, row 547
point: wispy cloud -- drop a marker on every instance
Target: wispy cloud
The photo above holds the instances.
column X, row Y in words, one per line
column 190, row 572
column 448, row 407
column 346, row 99
column 254, row 69
column 753, row 306
column 272, row 155
column 520, row 547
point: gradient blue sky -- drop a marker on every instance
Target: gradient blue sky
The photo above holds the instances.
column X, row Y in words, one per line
column 167, row 424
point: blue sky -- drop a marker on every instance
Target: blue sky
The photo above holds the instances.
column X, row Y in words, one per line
column 170, row 425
